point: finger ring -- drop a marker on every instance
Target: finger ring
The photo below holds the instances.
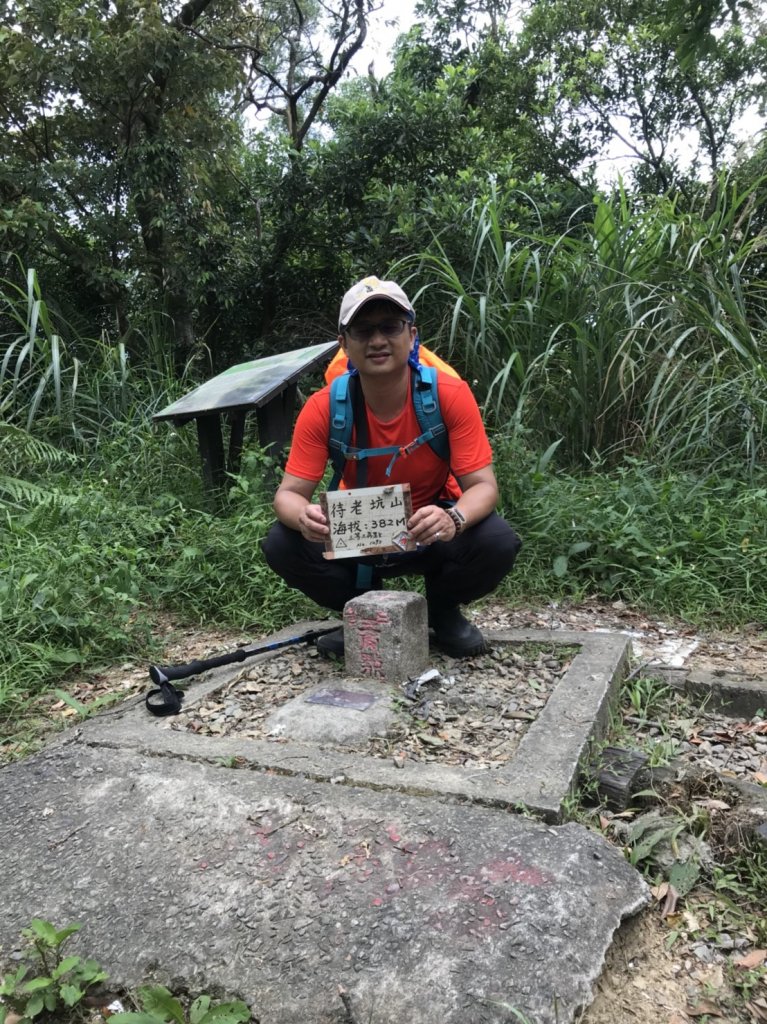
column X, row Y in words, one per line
column 437, row 534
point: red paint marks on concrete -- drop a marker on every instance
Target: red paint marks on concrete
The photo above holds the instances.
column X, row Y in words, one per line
column 393, row 834
column 503, row 870
column 377, row 902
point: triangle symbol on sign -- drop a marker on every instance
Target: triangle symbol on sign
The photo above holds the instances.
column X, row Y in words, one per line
column 341, row 544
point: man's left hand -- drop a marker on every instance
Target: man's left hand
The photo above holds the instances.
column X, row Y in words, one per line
column 429, row 524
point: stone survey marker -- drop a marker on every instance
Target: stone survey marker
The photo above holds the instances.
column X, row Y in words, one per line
column 368, row 521
column 386, row 635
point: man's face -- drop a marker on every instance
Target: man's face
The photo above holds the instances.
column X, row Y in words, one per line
column 379, row 338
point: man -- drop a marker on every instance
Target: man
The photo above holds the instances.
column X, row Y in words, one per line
column 464, row 548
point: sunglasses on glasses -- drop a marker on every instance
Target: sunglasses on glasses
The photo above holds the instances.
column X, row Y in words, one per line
column 390, row 328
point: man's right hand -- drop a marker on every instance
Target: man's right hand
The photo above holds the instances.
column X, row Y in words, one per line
column 295, row 509
column 312, row 523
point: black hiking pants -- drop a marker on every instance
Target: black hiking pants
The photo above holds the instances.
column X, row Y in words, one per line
column 455, row 572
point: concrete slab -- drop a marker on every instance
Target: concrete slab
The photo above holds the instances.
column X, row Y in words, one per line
column 280, row 888
column 730, row 692
column 311, row 867
column 343, row 726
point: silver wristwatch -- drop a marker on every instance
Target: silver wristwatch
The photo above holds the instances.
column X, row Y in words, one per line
column 458, row 518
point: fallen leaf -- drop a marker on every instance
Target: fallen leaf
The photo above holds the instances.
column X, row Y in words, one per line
column 659, row 891
column 713, row 805
column 758, row 1009
column 705, row 1007
column 753, row 959
column 432, row 741
column 761, row 777
column 679, row 1019
column 691, row 922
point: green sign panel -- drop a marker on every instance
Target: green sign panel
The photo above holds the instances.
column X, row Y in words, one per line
column 248, row 385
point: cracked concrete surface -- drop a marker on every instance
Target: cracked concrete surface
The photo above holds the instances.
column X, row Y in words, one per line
column 417, row 890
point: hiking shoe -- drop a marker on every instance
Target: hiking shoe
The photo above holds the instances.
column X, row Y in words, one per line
column 331, row 644
column 454, row 634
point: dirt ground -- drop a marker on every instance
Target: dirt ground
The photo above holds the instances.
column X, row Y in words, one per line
column 644, row 981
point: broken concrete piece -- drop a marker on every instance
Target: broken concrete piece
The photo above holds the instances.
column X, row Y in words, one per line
column 280, row 888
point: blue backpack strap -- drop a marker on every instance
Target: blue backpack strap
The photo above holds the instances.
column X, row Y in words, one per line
column 341, row 418
column 341, row 423
column 426, row 403
column 425, row 396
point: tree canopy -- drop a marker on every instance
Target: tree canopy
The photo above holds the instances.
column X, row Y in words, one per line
column 214, row 171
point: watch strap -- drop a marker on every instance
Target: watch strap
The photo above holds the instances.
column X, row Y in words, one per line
column 458, row 518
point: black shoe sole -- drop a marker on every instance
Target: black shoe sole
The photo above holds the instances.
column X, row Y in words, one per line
column 460, row 651
column 331, row 649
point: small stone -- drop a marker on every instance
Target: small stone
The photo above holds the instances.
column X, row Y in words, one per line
column 703, row 953
column 399, row 760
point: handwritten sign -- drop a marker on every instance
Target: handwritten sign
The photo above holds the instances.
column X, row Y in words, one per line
column 367, row 521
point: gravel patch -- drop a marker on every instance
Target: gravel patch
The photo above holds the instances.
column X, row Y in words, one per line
column 475, row 713
column 735, row 748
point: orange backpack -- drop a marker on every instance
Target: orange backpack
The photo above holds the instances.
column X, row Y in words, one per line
column 337, row 365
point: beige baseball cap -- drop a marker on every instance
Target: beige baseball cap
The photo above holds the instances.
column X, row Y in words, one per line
column 366, row 290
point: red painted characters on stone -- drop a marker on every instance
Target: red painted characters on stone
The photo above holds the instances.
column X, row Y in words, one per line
column 369, row 629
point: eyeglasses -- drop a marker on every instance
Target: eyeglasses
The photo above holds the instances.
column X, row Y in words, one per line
column 366, row 332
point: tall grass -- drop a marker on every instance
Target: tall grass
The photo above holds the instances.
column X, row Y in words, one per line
column 69, row 388
column 638, row 331
column 102, row 513
column 672, row 541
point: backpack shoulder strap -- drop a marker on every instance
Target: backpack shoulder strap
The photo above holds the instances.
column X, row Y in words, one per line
column 344, row 390
column 426, row 403
column 341, row 420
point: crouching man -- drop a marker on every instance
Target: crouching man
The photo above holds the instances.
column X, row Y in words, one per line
column 464, row 548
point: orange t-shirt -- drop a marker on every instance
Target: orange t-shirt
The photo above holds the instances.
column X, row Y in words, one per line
column 429, row 477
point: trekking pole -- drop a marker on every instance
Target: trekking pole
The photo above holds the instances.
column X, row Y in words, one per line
column 171, row 696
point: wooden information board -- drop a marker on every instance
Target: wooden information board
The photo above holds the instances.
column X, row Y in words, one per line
column 368, row 521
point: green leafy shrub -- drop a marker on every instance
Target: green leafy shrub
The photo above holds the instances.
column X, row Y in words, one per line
column 49, row 985
column 159, row 1006
column 673, row 541
column 52, row 987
